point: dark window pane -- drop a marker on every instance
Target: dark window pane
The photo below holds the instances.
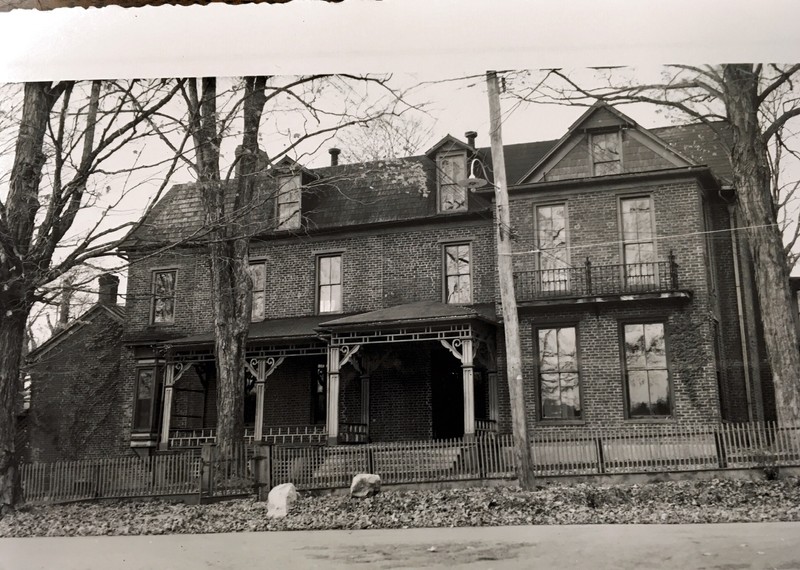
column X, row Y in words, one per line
column 144, row 400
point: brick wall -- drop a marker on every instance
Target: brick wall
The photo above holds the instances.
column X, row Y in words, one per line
column 77, row 408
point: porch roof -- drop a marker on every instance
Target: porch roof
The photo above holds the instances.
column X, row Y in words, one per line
column 418, row 313
column 287, row 329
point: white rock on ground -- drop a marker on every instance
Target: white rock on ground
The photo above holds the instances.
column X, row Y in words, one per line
column 280, row 500
column 365, row 485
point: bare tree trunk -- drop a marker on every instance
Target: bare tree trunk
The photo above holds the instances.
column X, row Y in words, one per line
column 17, row 291
column 749, row 160
column 229, row 251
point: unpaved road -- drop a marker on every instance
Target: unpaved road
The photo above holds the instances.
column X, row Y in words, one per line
column 598, row 547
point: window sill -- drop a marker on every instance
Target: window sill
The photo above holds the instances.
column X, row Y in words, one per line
column 669, row 420
column 561, row 422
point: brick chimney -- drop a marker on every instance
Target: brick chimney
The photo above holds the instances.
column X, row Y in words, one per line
column 334, row 152
column 471, row 138
column 107, row 291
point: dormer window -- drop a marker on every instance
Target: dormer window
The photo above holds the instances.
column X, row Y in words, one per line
column 606, row 153
column 452, row 168
column 288, row 202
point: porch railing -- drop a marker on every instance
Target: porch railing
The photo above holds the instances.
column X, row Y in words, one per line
column 589, row 280
column 352, row 433
column 485, row 426
column 195, row 438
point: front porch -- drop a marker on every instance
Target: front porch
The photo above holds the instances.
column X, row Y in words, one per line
column 361, row 379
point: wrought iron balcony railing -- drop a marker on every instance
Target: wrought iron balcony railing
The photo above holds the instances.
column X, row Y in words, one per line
column 588, row 280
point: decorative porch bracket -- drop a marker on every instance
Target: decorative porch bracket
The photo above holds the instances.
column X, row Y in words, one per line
column 466, row 355
column 262, row 368
column 338, row 356
column 172, row 373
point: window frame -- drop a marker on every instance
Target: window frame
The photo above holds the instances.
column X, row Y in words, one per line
column 662, row 320
column 592, row 160
column 282, row 179
column 538, row 257
column 579, row 368
column 155, row 390
column 439, row 184
column 263, row 263
column 445, row 275
column 623, row 242
column 153, row 273
column 318, row 285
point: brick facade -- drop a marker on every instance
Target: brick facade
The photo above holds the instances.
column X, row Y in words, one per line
column 389, row 262
column 77, row 402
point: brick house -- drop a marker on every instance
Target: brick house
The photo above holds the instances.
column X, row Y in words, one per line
column 376, row 310
column 76, row 404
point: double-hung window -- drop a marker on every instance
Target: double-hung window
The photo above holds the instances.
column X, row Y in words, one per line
column 551, row 246
column 258, row 274
column 329, row 283
column 452, row 168
column 638, row 242
column 163, row 291
column 458, row 273
column 605, row 153
column 559, row 378
column 646, row 373
column 288, row 202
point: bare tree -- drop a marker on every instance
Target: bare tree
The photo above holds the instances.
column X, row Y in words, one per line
column 385, row 138
column 55, row 205
column 292, row 113
column 757, row 105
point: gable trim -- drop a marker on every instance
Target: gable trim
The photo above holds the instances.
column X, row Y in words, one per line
column 560, row 150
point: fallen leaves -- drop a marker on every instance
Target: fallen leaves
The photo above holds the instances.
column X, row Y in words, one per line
column 661, row 503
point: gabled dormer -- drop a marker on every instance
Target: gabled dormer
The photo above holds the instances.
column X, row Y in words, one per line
column 450, row 156
column 290, row 177
column 604, row 142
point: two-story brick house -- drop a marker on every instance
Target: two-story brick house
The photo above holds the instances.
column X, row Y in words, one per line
column 376, row 311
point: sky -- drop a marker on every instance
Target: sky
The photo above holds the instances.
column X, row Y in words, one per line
column 416, row 40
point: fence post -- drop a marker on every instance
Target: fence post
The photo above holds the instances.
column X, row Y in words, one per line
column 719, row 443
column 601, row 460
column 262, row 468
column 208, row 456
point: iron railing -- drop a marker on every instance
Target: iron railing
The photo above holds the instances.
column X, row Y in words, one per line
column 589, row 280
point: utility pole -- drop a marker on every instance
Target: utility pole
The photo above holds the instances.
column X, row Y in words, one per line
column 505, row 269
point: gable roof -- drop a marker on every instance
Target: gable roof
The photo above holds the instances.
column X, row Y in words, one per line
column 444, row 141
column 115, row 311
column 609, row 117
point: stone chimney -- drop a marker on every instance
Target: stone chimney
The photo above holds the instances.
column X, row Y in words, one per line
column 67, row 292
column 471, row 138
column 107, row 292
column 334, row 152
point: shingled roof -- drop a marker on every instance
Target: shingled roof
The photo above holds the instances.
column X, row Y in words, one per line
column 385, row 191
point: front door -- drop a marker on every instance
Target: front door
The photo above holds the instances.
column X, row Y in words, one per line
column 447, row 395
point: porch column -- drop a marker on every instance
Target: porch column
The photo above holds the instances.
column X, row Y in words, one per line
column 169, row 380
column 365, row 401
column 258, row 430
column 332, row 418
column 469, row 388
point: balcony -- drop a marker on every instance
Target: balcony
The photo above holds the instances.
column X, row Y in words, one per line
column 589, row 283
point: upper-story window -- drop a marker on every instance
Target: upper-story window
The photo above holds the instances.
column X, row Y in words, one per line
column 638, row 241
column 329, row 283
column 605, row 151
column 163, row 310
column 551, row 245
column 258, row 273
column 288, row 202
column 646, row 372
column 457, row 273
column 452, row 168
